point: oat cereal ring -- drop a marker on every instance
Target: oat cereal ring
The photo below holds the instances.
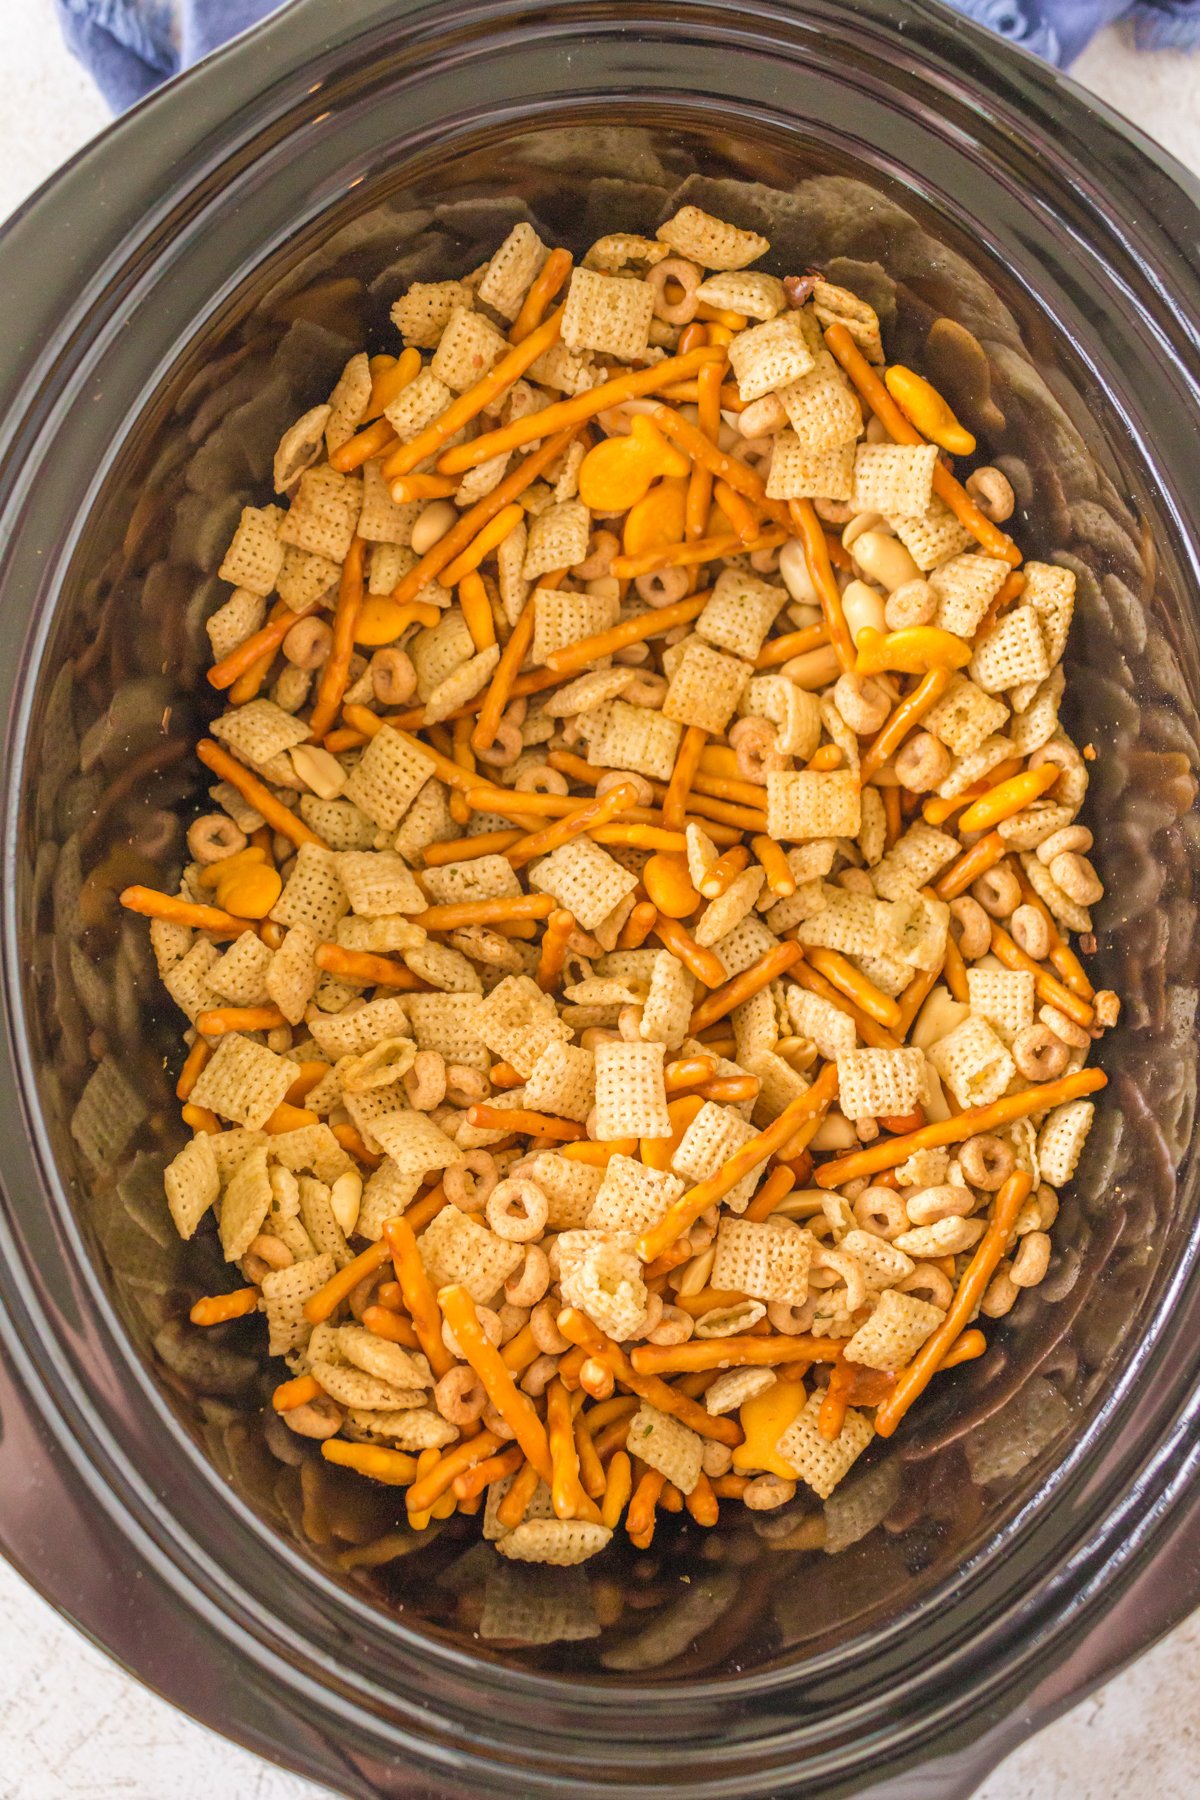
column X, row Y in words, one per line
column 425, row 1081
column 881, row 1211
column 662, row 587
column 921, row 763
column 1030, row 932
column 998, row 890
column 992, row 492
column 1040, row 1055
column 393, row 677
column 308, row 643
column 529, row 1284
column 470, row 1182
column 974, row 928
column 932, row 1204
column 684, row 275
column 987, row 1162
column 460, row 1396
column 863, row 702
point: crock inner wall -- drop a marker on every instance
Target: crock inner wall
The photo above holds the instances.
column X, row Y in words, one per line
column 127, row 647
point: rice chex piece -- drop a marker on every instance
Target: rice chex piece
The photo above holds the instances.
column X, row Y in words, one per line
column 771, row 356
column 244, row 1081
column 440, row 650
column 359, row 1030
column 758, row 296
column 379, row 882
column 768, row 1260
column 388, row 1192
column 299, row 447
column 468, row 349
column 872, row 838
column 798, row 472
column 305, row 578
column 742, row 946
column 258, row 731
column 354, row 1387
column 804, row 803
column 702, row 853
column 1061, row 1140
column 722, row 914
column 711, row 242
column 387, row 778
column 932, row 536
column 922, row 932
column 734, row 1387
column 1051, row 593
column 382, row 519
column 631, row 1099
column 822, row 407
column 974, row 1063
column 632, row 1197
column 599, row 1272
column 1004, row 997
column 755, row 1025
column 562, row 1081
column 739, row 612
column 427, row 821
column 348, row 402
column 881, row 1263
column 1013, row 652
column 240, row 976
column 192, row 1183
column 638, row 738
column 965, row 715
column 895, row 1331
column 822, row 1462
column 233, row 623
column 583, row 878
column 517, row 1020
column 423, row 313
column 1037, row 721
column 313, row 894
column 709, row 1141
column 558, row 539
column 608, row 313
column 245, row 1204
column 965, row 770
column 566, row 371
column 664, row 1443
column 832, row 1031
column 324, row 513
column 413, row 1142
column 483, row 878
column 561, row 619
column 795, row 714
column 894, row 478
column 457, row 1249
column 705, row 687
column 854, row 924
column 965, row 587
column 418, row 405
column 834, row 305
column 342, row 825
column 413, row 1428
column 1068, row 912
column 255, row 554
column 461, row 685
column 570, row 1187
column 511, row 270
column 377, row 1356
column 484, row 477
column 311, row 1147
column 316, row 1215
column 231, row 1148
column 924, row 1168
column 667, row 1010
column 877, row 1084
column 562, row 1542
column 284, row 1293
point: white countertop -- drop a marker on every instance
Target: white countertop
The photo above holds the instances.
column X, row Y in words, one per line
column 75, row 1727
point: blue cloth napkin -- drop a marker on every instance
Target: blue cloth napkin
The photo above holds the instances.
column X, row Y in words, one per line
column 130, row 46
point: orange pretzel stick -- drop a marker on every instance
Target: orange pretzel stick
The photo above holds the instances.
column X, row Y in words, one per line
column 218, row 1309
column 742, row 987
column 362, row 965
column 468, row 406
column 223, row 1019
column 393, row 1467
column 638, row 926
column 773, row 1192
column 721, row 875
column 336, row 671
column 683, row 1213
column 687, row 765
column 534, row 1124
column 832, row 1414
column 591, row 1469
column 1008, row 797
column 389, row 378
column 531, row 806
column 820, row 569
column 584, row 818
column 559, row 927
column 482, row 1474
column 477, row 608
column 688, row 1072
column 1062, row 956
column 400, row 1243
column 566, row 1489
column 193, row 1068
column 430, row 1487
column 390, row 1325
column 730, row 787
column 570, row 414
column 471, row 523
column 493, row 534
column 351, row 1139
column 690, row 556
column 452, row 917
column 704, row 964
column 912, row 1381
column 325, row 1302
column 279, row 817
column 597, row 1156
column 631, row 631
column 700, row 481
column 954, row 973
column 289, row 1118
column 970, row 866
column 898, row 427
column 546, row 284
column 778, row 650
column 372, row 441
column 868, row 1030
column 520, row 1351
column 488, row 843
column 422, row 487
column 1049, row 988
column 732, row 1353
column 924, row 696
column 970, row 1345
column 153, row 905
column 738, row 510
column 774, row 862
column 729, row 470
column 300, row 1391
column 514, row 1407
column 578, row 1329
column 515, row 1504
column 855, row 985
column 974, row 1121
column 639, row 1520
column 503, row 676
column 240, row 661
column 732, row 1088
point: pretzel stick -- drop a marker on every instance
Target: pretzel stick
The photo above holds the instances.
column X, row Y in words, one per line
column 742, row 987
column 729, row 471
column 546, row 284
column 816, row 555
column 893, row 732
column 400, row 1243
column 390, row 1325
column 639, row 1520
column 477, row 609
column 218, row 1309
column 362, row 965
column 591, row 1469
column 774, row 863
column 325, row 1302
column 153, row 905
column 298, row 1392
column 687, row 764
column 492, row 535
column 578, row 1329
column 279, row 817
column 700, row 482
column 1061, row 955
column 351, row 1139
column 261, row 643
column 503, row 676
column 868, row 1030
column 493, row 1468
column 724, row 872
column 793, row 643
column 733, row 1353
column 773, row 1192
column 534, row 1124
column 372, row 441
column 429, row 1488
column 566, row 1489
column 488, row 843
column 559, row 927
column 193, row 1068
column 866, row 996
column 1008, row 797
column 584, row 818
column 392, row 1467
column 514, row 1407
column 691, row 556
column 1049, row 988
column 832, row 1414
column 652, row 623
column 452, row 917
column 704, row 964
column 222, row 1019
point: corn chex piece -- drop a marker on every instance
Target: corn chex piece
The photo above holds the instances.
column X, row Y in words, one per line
column 561, row 619
column 855, row 924
column 388, row 1192
column 566, row 371
column 599, row 1272
column 187, row 980
column 739, row 612
column 511, row 269
column 821, row 406
column 562, row 1081
column 872, row 837
column 348, row 402
column 1037, row 721
column 457, row 1249
column 710, row 1140
column 484, row 878
column 369, row 1105
column 316, row 1215
column 820, row 1462
column 924, row 1168
column 376, row 1356
column 388, row 564
column 895, row 1331
column 231, row 1148
column 876, row 1084
column 258, row 731
column 284, row 1293
column 921, row 935
column 965, row 586
column 313, row 894
column 311, row 1147
column 617, row 249
column 353, row 1033
column 299, row 447
column 721, row 915
column 932, row 536
column 583, row 878
column 1061, row 1139
column 517, row 1020
column 742, row 946
column 804, row 803
column 795, row 714
column 840, row 306
column 974, row 1063
column 1066, row 911
column 799, row 472
column 608, row 313
column 758, row 296
column 386, row 1062
column 562, row 1542
column 592, row 689
column 889, row 974
column 244, row 1081
column 711, row 242
column 413, row 1142
column 1004, row 997
column 965, row 770
column 415, row 1428
column 755, row 1025
column 734, row 1387
column 342, row 825
column 240, row 976
column 821, row 1022
column 768, row 1260
column 881, row 1263
column 304, row 578
column 771, row 356
column 632, row 1197
column 468, row 349
column 569, row 1187
column 427, row 821
column 667, row 1445
column 461, row 685
column 667, row 1010
column 705, row 687
column 631, row 1099
column 233, row 623
column 387, row 778
column 192, row 1183
column 379, row 882
column 354, row 1387
column 418, row 405
column 439, row 651
column 702, row 853
column 423, row 313
column 965, row 715
column 541, row 1506
column 894, row 478
column 1051, row 593
column 1013, row 652
column 245, row 1204
column 558, row 539
column 324, row 513
column 638, row 738
column 255, row 554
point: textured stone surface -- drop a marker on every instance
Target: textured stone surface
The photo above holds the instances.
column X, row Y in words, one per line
column 1137, row 1737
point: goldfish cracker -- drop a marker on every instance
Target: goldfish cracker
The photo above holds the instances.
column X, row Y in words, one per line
column 928, row 411
column 913, row 651
column 658, row 518
column 617, row 474
column 381, row 620
column 764, row 1420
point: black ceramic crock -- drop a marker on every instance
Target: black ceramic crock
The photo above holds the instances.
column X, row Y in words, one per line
column 188, row 285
